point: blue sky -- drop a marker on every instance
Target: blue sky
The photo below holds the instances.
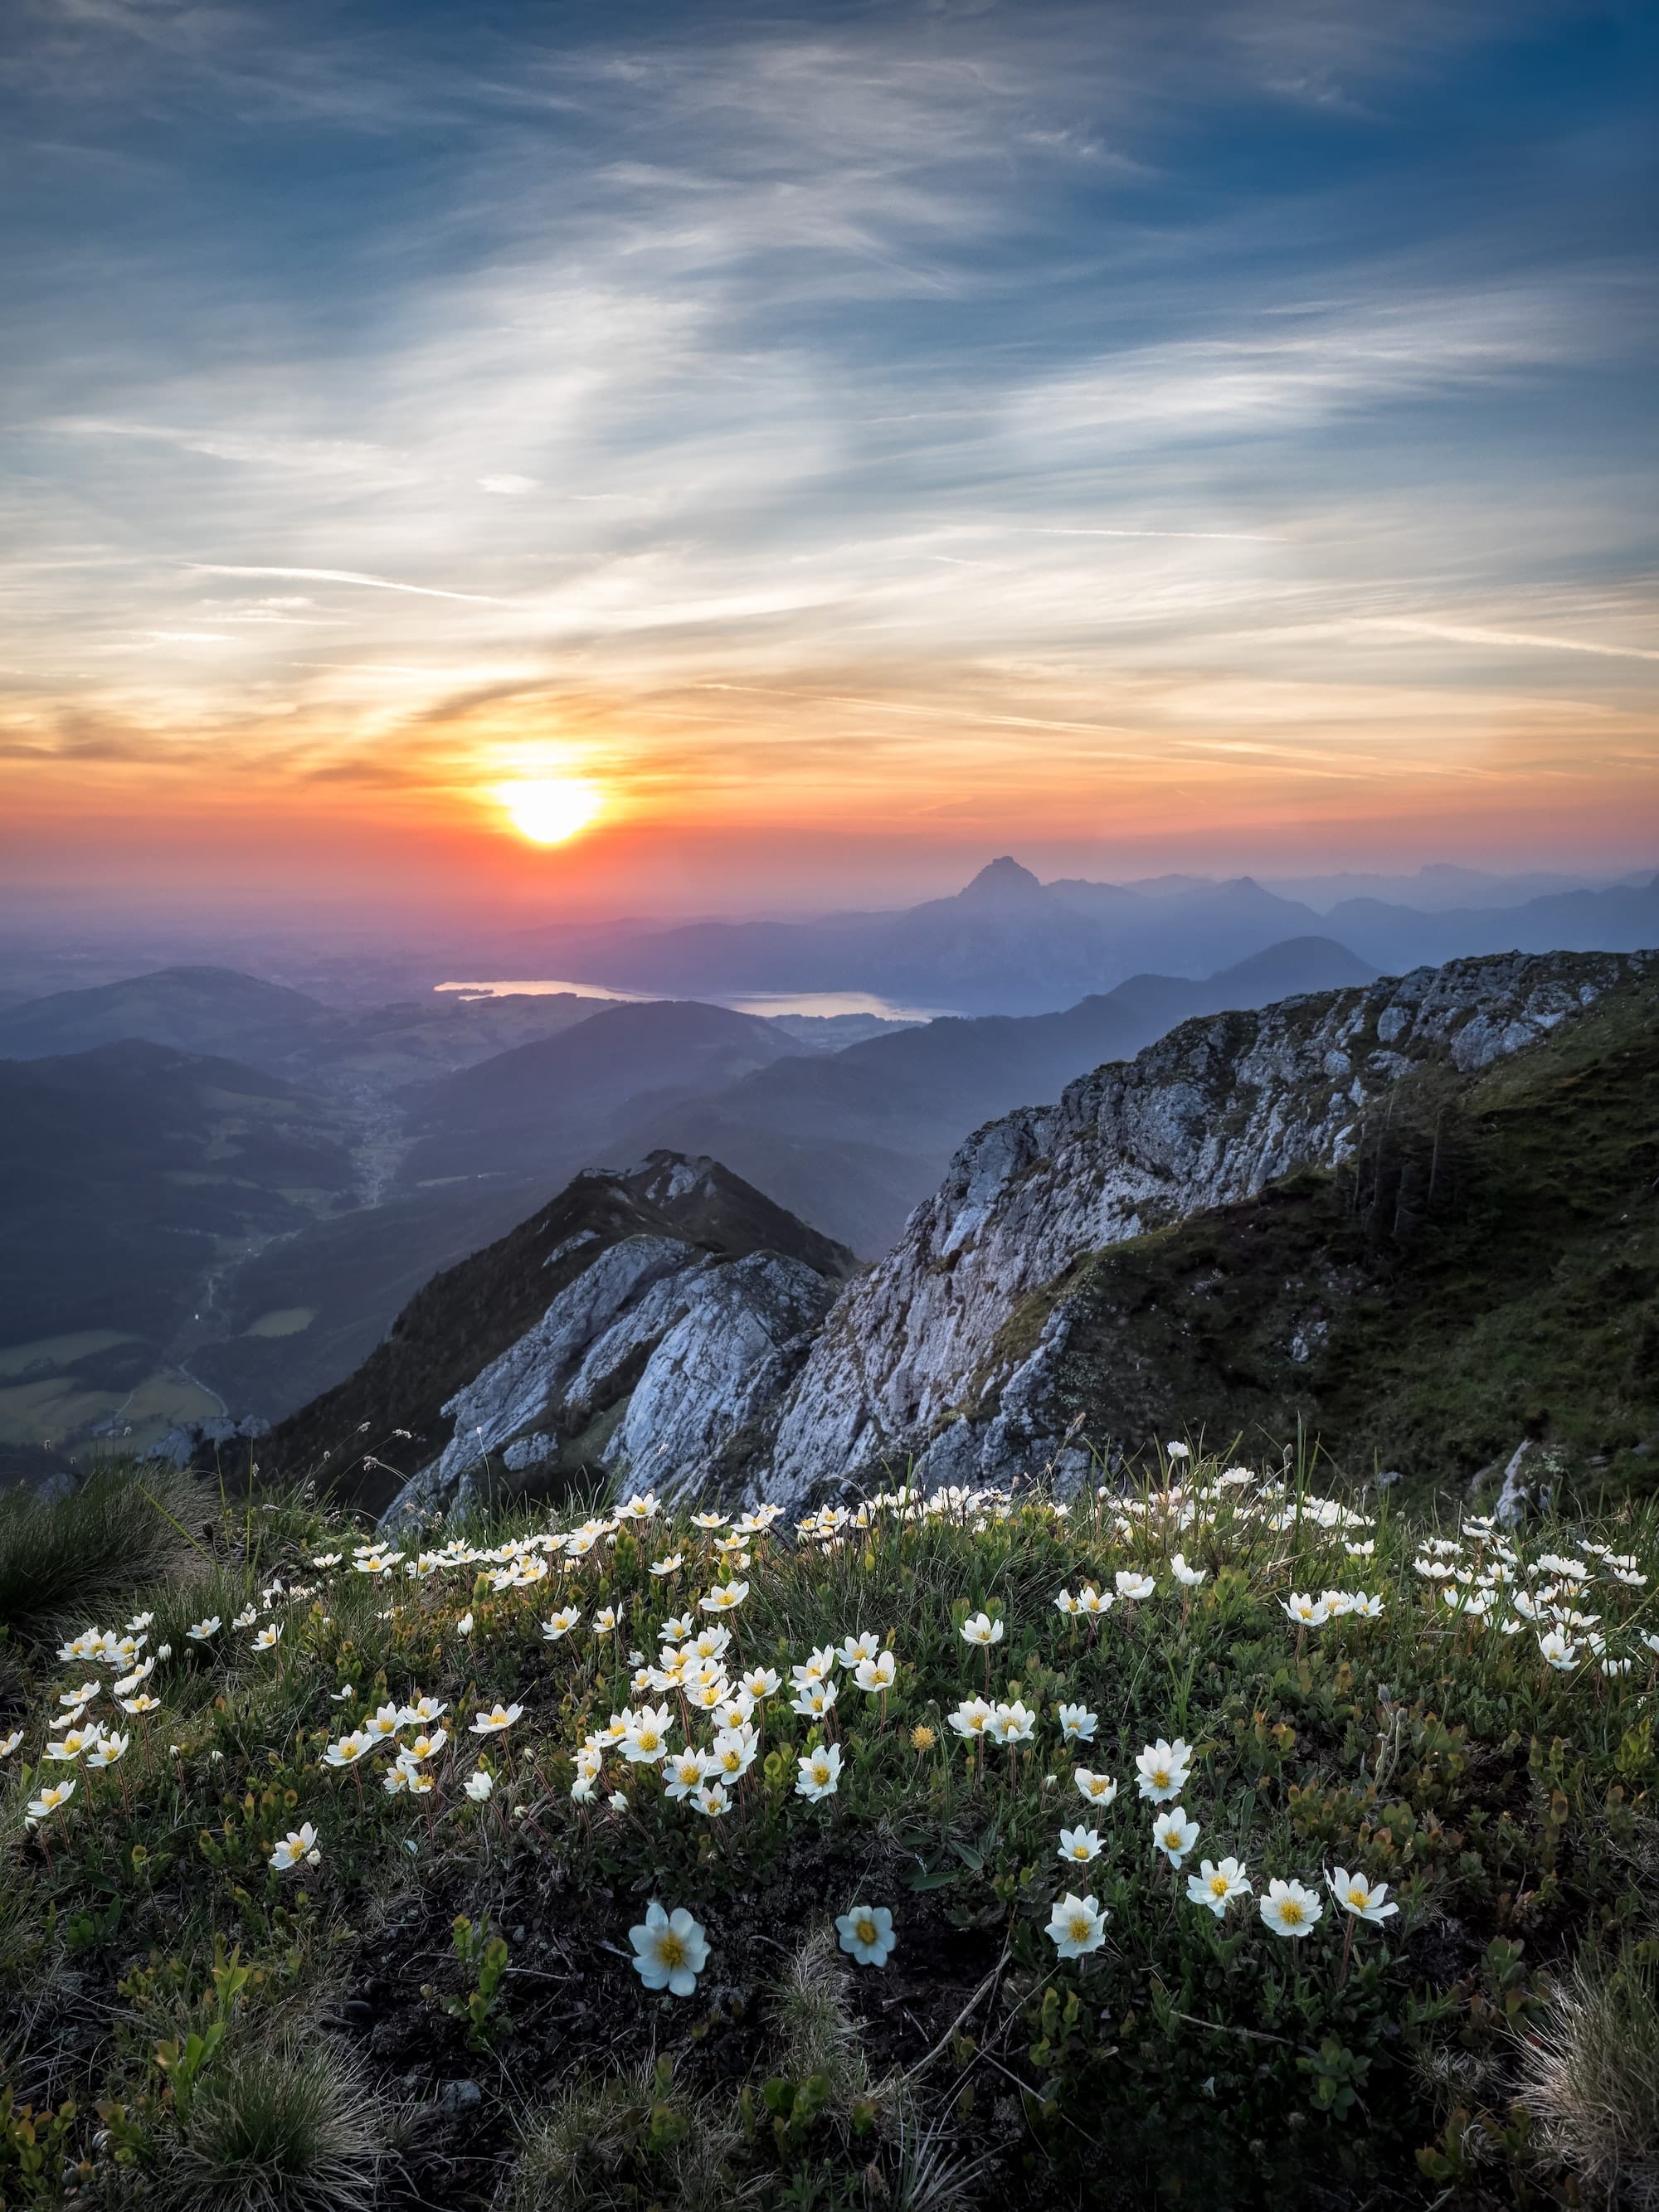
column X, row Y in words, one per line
column 1166, row 435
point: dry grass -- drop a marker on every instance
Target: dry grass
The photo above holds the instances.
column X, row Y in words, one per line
column 1591, row 2079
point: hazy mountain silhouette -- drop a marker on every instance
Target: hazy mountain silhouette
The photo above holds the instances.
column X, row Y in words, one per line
column 523, row 1111
column 1009, row 944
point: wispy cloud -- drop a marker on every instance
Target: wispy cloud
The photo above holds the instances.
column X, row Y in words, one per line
column 342, row 577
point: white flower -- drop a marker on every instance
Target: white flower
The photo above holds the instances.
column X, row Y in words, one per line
column 1306, row 1610
column 1078, row 1925
column 855, row 1647
column 980, row 1628
column 1094, row 1603
column 646, row 1740
column 1289, row 1910
column 711, row 1800
column 1098, row 1788
column 497, row 1718
column 1173, row 1834
column 199, row 1630
column 108, row 1750
column 1132, row 1586
column 606, row 1620
column 464, row 1625
column 866, row 1933
column 669, row 1950
column 1216, row 1884
column 876, row 1675
column 1190, row 1577
column 725, row 1597
column 300, row 1843
column 70, row 1746
column 762, row 1683
column 349, row 1749
column 8, row 1744
column 478, row 1786
column 246, row 1619
column 1077, row 1723
column 670, row 1565
column 1562, row 1654
column 50, row 1800
column 685, row 1771
column 269, row 1637
column 1013, row 1723
column 1361, row 1898
column 143, row 1702
column 1163, row 1768
column 820, row 1773
column 1079, row 1843
column 814, row 1699
column 1067, row 1604
column 561, row 1623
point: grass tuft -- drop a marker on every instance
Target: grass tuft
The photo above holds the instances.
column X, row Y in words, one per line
column 280, row 2128
column 1591, row 2078
column 119, row 1531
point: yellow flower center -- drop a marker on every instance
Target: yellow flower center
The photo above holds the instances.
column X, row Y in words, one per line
column 1358, row 1895
column 1218, row 1885
column 1077, row 1928
column 1291, row 1913
column 670, row 1948
column 1161, row 1777
column 866, row 1931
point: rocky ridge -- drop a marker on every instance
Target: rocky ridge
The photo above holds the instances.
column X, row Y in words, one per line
column 660, row 1363
column 914, row 1366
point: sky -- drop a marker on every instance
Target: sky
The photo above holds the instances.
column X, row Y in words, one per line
column 845, row 441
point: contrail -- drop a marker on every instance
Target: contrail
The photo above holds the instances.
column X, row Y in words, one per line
column 1468, row 634
column 345, row 576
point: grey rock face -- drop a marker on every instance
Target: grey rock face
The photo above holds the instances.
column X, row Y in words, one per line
column 911, row 1356
column 686, row 1351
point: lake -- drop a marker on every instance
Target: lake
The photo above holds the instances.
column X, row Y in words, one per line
column 824, row 1003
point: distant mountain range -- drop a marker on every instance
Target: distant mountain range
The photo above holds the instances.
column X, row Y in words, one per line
column 284, row 1032
column 1008, row 943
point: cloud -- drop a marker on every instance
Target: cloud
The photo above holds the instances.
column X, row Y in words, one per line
column 509, row 486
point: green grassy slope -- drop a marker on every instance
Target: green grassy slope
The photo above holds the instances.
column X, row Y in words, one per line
column 1487, row 1268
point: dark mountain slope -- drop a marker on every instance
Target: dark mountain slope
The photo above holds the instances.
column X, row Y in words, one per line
column 200, row 1010
column 124, row 1170
column 1486, row 1270
column 467, row 1317
column 538, row 1111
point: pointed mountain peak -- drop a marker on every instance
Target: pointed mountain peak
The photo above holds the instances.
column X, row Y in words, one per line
column 1002, row 883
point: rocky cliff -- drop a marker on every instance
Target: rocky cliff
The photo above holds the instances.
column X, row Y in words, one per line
column 918, row 1362
column 640, row 1327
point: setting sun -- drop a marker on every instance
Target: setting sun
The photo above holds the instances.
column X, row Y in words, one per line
column 550, row 809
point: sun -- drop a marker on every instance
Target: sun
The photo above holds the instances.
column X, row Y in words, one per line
column 550, row 809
